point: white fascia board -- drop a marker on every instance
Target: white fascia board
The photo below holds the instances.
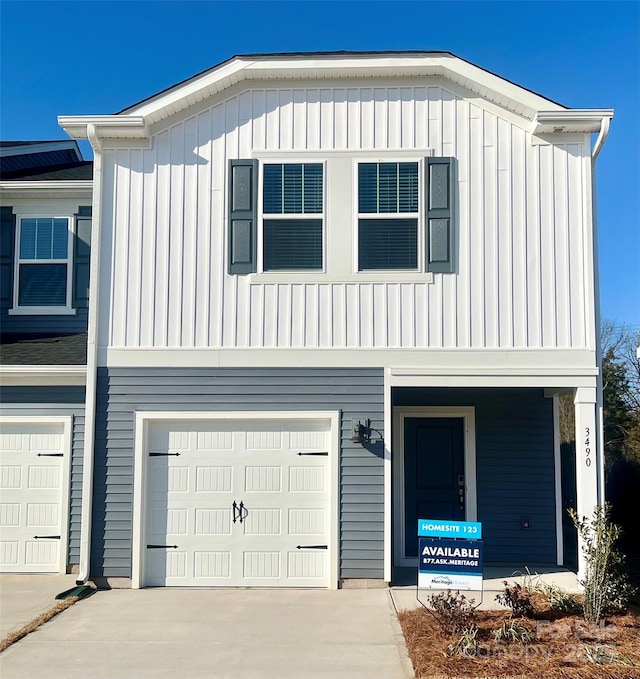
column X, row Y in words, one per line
column 46, row 189
column 109, row 126
column 449, row 66
column 182, row 96
column 42, row 375
column 574, row 120
column 486, row 84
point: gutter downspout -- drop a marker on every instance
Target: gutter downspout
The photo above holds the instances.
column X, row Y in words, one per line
column 92, row 362
column 602, row 138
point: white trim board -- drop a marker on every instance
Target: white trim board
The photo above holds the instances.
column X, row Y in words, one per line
column 49, row 375
column 557, row 464
column 144, row 418
column 65, row 499
column 468, row 416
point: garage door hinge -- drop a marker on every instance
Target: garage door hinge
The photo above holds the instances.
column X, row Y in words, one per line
column 312, row 547
column 301, row 453
column 50, row 454
column 162, row 546
column 46, row 537
column 164, row 454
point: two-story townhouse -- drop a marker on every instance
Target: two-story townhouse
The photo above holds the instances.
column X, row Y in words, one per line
column 333, row 293
column 45, row 233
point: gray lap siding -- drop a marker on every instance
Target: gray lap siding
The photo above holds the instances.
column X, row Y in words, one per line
column 355, row 392
column 514, row 468
column 56, row 401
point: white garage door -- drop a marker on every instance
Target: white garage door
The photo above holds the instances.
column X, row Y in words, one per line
column 238, row 504
column 31, row 493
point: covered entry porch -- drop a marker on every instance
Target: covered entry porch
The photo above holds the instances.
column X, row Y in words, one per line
column 490, row 454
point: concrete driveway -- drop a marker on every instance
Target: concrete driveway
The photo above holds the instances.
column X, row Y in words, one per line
column 230, row 634
column 24, row 597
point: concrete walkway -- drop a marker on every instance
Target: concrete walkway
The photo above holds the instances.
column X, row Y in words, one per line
column 217, row 634
column 24, row 597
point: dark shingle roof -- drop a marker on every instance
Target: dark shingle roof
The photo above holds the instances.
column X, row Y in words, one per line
column 31, row 142
column 68, row 171
column 18, row 349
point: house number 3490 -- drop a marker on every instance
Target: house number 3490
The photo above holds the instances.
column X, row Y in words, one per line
column 587, row 446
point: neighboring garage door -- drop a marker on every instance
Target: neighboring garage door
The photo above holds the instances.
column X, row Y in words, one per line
column 238, row 504
column 32, row 521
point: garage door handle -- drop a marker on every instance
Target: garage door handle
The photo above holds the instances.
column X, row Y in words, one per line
column 241, row 511
column 46, row 537
column 314, row 453
column 312, row 547
column 162, row 546
column 50, row 454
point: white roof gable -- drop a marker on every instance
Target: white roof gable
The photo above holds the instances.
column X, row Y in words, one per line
column 134, row 121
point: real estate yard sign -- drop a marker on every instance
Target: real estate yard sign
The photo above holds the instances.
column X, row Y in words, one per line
column 450, row 555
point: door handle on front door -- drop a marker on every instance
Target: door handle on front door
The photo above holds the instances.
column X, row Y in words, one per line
column 461, row 497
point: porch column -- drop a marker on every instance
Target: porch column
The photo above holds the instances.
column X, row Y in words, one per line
column 587, row 459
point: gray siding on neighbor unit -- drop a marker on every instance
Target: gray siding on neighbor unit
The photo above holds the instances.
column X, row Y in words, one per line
column 514, row 467
column 56, row 401
column 355, row 392
column 42, row 324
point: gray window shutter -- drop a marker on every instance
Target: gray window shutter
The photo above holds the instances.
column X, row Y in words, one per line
column 243, row 196
column 440, row 201
column 81, row 257
column 7, row 248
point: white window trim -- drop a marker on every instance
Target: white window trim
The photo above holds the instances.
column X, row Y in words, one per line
column 338, row 270
column 385, row 274
column 468, row 416
column 143, row 419
column 261, row 216
column 65, row 499
column 56, row 310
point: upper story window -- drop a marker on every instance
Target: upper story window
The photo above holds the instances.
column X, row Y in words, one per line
column 280, row 220
column 388, row 215
column 292, row 211
column 42, row 271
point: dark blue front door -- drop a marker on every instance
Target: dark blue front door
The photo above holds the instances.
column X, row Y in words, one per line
column 433, row 473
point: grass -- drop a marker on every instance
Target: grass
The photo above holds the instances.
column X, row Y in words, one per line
column 36, row 622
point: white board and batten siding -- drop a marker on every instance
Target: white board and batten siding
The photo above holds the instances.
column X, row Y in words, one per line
column 34, row 494
column 239, row 502
column 524, row 266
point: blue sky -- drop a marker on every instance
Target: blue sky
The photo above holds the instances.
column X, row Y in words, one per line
column 79, row 57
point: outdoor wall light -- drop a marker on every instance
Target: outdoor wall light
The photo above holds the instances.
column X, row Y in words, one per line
column 361, row 432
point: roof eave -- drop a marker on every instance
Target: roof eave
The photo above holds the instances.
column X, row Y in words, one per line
column 110, row 126
column 134, row 122
column 52, row 189
column 573, row 120
column 36, row 375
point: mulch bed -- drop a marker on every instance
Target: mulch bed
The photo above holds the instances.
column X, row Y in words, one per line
column 558, row 652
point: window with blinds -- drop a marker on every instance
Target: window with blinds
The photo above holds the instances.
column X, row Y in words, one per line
column 293, row 212
column 42, row 269
column 388, row 205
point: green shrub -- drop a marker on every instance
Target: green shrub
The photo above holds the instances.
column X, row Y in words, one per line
column 559, row 599
column 513, row 631
column 467, row 644
column 605, row 583
column 605, row 655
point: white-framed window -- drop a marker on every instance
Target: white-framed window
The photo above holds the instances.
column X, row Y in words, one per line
column 293, row 216
column 43, row 273
column 388, row 216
